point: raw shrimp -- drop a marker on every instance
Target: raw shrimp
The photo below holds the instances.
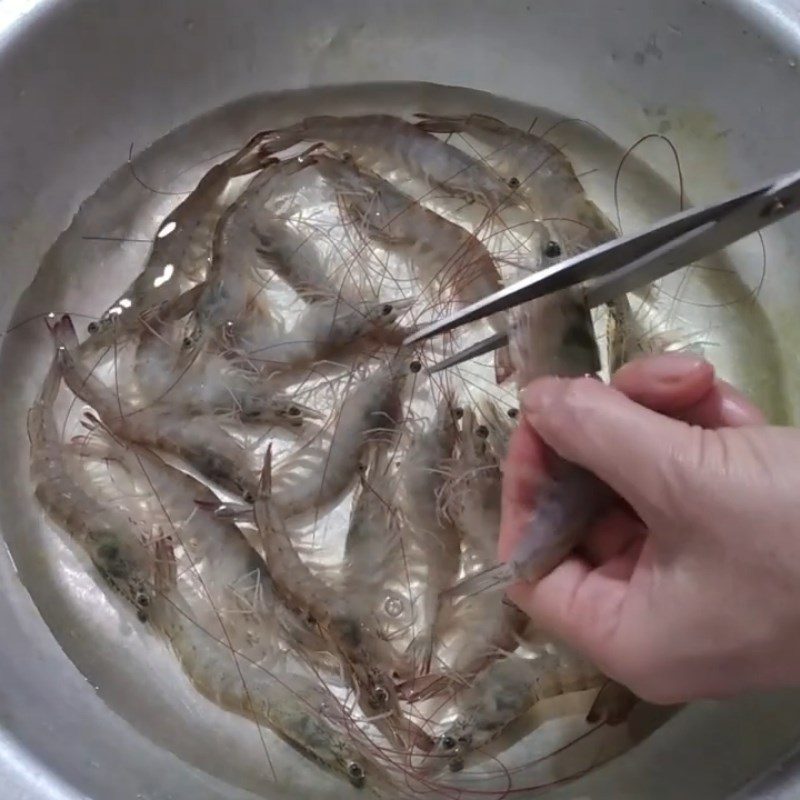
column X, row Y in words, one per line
column 211, row 450
column 505, row 691
column 292, row 705
column 230, row 291
column 214, row 595
column 318, row 473
column 323, row 330
column 221, row 568
column 627, row 337
column 244, row 306
column 548, row 180
column 228, row 309
column 482, row 626
column 368, row 661
column 471, row 496
column 552, row 335
column 112, row 540
column 212, row 384
column 431, row 535
column 540, row 172
column 387, row 144
column 292, row 257
column 374, row 572
column 181, row 248
column 500, row 425
column 446, row 257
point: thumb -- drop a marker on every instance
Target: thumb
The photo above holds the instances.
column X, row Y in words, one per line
column 637, row 452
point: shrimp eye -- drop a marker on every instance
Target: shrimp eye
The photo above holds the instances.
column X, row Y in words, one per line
column 552, row 249
column 513, row 183
column 513, row 413
column 346, row 156
column 187, row 343
column 381, row 696
column 248, row 497
column 458, row 413
column 356, row 774
column 448, row 742
column 142, row 600
column 482, row 432
column 108, row 551
column 386, row 310
column 415, row 366
column 294, row 411
column 93, row 327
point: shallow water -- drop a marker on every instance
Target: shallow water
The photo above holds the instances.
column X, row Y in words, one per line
column 711, row 308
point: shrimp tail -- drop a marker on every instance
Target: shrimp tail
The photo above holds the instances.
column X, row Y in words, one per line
column 254, row 155
column 497, row 577
column 420, row 651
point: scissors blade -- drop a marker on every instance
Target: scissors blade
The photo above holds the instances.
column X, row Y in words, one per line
column 487, row 345
column 641, row 258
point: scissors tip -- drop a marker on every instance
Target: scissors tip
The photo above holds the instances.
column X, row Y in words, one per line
column 415, row 338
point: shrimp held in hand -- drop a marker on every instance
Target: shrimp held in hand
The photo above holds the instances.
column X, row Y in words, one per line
column 550, row 336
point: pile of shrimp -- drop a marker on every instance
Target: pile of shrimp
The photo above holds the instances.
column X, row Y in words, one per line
column 250, row 393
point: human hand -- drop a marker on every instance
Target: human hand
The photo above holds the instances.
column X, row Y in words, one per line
column 690, row 586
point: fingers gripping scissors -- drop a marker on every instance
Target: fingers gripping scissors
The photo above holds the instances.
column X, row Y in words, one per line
column 623, row 264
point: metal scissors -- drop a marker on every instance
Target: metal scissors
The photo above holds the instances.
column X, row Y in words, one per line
column 631, row 261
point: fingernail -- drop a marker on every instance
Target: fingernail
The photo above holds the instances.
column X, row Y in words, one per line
column 667, row 367
column 540, row 395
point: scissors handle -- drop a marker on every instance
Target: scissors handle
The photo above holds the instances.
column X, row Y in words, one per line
column 735, row 219
column 623, row 264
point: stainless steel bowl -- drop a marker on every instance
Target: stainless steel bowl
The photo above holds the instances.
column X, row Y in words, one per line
column 83, row 80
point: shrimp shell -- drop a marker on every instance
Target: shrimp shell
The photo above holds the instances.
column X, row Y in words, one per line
column 291, row 705
column 385, row 143
column 366, row 659
column 375, row 568
column 540, row 171
column 431, row 535
column 292, row 257
column 505, row 691
column 446, row 257
column 319, row 473
column 324, row 330
column 180, row 249
column 200, row 440
column 114, row 543
column 212, row 384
